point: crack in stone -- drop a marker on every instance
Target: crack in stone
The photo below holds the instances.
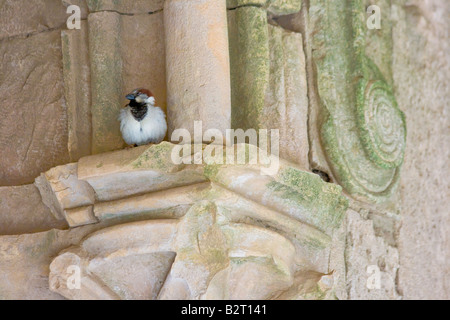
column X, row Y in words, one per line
column 129, row 14
column 246, row 6
column 33, row 33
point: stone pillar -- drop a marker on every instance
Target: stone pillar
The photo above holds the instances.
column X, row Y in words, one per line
column 106, row 83
column 197, row 62
column 268, row 77
column 77, row 90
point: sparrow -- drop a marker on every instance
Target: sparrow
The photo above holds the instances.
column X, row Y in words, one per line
column 141, row 121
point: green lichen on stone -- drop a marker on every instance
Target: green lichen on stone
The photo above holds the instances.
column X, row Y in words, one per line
column 324, row 201
column 381, row 124
column 156, row 157
column 325, row 211
column 231, row 4
column 361, row 127
column 205, row 243
column 94, row 5
column 211, row 171
column 257, row 63
column 249, row 63
column 283, row 7
column 67, row 63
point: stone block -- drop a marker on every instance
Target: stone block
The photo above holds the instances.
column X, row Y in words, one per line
column 33, row 119
column 232, row 4
column 23, row 17
column 284, row 7
column 22, row 211
column 25, row 261
column 61, row 189
column 80, row 216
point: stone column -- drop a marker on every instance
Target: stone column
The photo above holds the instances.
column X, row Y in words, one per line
column 268, row 75
column 197, row 62
column 106, row 82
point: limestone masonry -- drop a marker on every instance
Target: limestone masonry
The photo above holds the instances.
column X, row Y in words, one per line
column 358, row 205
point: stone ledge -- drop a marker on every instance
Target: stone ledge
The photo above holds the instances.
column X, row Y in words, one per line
column 145, row 182
column 223, row 219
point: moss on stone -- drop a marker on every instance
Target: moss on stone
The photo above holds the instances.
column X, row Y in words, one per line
column 156, row 157
column 211, row 171
column 249, row 63
column 344, row 74
column 323, row 201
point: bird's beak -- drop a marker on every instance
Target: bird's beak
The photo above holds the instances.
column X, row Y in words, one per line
column 130, row 97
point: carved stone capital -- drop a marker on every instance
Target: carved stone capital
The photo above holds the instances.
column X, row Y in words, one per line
column 196, row 231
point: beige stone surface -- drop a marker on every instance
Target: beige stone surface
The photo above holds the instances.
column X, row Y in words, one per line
column 136, row 277
column 421, row 74
column 162, row 231
column 156, row 259
column 61, row 189
column 22, row 211
column 166, row 204
column 82, row 4
column 197, row 59
column 311, row 245
column 287, row 96
column 80, row 216
column 126, row 6
column 90, row 288
column 33, row 120
column 106, row 80
column 25, row 262
column 77, row 90
column 22, row 17
column 364, row 251
column 140, row 170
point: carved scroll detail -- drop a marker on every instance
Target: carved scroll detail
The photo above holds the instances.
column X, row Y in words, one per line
column 362, row 130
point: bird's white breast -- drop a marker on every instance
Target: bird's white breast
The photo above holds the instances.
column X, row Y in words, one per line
column 151, row 129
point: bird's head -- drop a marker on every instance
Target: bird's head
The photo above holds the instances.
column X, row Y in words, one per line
column 141, row 96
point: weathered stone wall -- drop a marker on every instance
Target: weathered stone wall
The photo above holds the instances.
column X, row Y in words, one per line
column 421, row 70
column 303, row 67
